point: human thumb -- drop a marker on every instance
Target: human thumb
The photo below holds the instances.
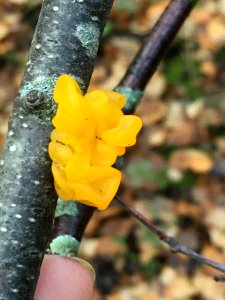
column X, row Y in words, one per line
column 63, row 278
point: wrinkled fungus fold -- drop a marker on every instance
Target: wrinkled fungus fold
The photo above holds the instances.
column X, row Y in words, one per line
column 90, row 132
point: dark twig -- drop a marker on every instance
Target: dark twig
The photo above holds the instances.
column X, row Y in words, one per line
column 71, row 219
column 150, row 55
column 174, row 245
column 219, row 278
column 157, row 42
column 74, row 225
column 132, row 87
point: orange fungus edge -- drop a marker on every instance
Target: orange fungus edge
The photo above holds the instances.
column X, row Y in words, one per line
column 90, row 132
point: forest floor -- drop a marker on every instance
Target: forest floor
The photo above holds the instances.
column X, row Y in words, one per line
column 175, row 174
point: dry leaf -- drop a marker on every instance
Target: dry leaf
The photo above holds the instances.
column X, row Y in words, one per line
column 208, row 289
column 185, row 208
column 209, row 68
column 137, row 291
column 184, row 134
column 156, row 86
column 155, row 10
column 4, row 30
column 88, row 248
column 188, row 132
column 192, row 110
column 116, row 296
column 175, row 115
column 156, row 137
column 174, row 174
column 220, row 143
column 191, row 159
column 179, row 287
column 218, row 238
column 200, row 16
column 150, row 295
column 215, row 30
column 110, row 247
column 151, row 111
column 215, row 218
column 213, row 253
column 148, row 251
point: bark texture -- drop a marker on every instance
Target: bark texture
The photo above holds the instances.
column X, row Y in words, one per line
column 66, row 41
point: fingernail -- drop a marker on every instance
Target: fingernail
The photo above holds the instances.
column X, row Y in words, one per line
column 86, row 265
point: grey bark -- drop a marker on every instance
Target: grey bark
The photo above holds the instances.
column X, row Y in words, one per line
column 65, row 41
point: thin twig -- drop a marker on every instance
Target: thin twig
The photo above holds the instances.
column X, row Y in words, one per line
column 174, row 245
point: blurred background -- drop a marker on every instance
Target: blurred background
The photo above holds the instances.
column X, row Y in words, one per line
column 175, row 174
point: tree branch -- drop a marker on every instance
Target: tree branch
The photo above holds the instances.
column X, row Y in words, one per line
column 71, row 219
column 65, row 41
column 150, row 55
column 132, row 86
column 174, row 245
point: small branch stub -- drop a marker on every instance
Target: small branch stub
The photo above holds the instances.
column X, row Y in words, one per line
column 35, row 99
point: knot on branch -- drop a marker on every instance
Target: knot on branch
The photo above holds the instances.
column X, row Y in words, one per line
column 174, row 244
column 219, row 278
column 35, row 98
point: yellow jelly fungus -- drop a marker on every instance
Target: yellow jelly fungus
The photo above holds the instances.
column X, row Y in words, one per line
column 90, row 132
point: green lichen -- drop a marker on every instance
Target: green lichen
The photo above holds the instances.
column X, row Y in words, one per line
column 65, row 208
column 88, row 34
column 133, row 97
column 65, row 245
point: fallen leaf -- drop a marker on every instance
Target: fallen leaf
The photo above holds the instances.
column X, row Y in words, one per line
column 213, row 253
column 4, row 30
column 156, row 86
column 88, row 248
column 218, row 238
column 215, row 218
column 207, row 288
column 151, row 111
column 193, row 110
column 109, row 246
column 179, row 287
column 191, row 159
column 185, row 134
column 174, row 174
column 215, row 30
column 175, row 115
column 156, row 137
column 209, row 68
column 220, row 143
column 200, row 16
